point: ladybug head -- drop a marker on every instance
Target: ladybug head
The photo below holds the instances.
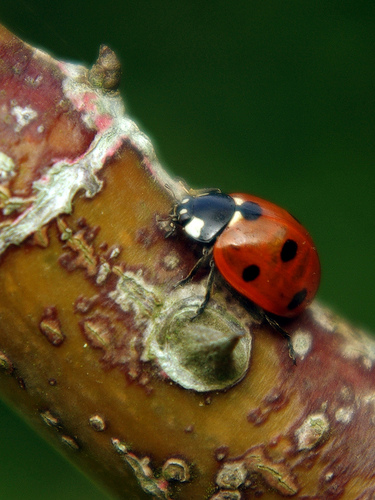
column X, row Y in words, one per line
column 191, row 217
column 185, row 211
column 205, row 216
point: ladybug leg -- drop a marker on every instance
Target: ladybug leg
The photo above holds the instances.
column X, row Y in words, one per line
column 200, row 262
column 210, row 282
column 167, row 225
column 192, row 192
column 206, row 254
column 204, row 191
column 272, row 322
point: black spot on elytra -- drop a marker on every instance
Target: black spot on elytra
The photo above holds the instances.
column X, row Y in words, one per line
column 250, row 210
column 250, row 273
column 289, row 250
column 297, row 300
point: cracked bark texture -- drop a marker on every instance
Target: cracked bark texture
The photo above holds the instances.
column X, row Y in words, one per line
column 96, row 346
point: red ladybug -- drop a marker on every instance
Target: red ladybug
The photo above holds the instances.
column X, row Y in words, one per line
column 261, row 250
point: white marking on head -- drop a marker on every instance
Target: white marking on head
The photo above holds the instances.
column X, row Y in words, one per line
column 235, row 218
column 185, row 200
column 194, row 227
column 183, row 211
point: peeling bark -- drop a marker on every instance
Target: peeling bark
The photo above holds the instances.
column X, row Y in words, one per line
column 96, row 345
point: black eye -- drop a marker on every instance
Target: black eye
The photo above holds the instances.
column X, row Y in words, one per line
column 183, row 215
column 184, row 211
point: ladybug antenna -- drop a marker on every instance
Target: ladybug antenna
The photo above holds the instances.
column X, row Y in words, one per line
column 168, row 187
column 274, row 324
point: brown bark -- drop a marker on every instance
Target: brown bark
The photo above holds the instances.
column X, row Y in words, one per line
column 96, row 346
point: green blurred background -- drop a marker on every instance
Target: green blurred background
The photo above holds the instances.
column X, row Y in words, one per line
column 274, row 97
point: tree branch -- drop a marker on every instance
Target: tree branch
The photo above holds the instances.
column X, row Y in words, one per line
column 97, row 347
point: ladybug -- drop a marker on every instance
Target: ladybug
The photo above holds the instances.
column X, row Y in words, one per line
column 260, row 249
